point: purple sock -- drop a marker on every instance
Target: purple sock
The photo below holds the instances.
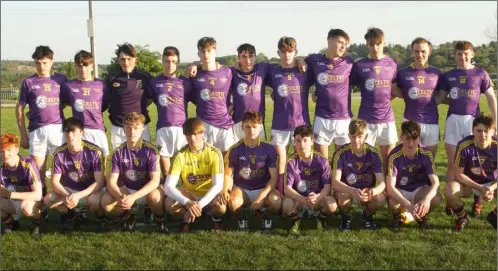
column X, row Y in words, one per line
column 477, row 200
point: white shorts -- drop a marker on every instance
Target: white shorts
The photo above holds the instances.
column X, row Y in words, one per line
column 169, row 140
column 252, row 194
column 329, row 131
column 429, row 134
column 239, row 134
column 410, row 195
column 282, row 138
column 97, row 137
column 477, row 193
column 118, row 136
column 221, row 138
column 457, row 127
column 386, row 132
column 46, row 139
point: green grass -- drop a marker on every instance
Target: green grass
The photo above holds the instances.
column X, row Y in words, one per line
column 440, row 248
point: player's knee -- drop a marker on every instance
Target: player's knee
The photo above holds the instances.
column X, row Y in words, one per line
column 155, row 197
column 218, row 209
column 106, row 202
column 330, row 204
column 274, row 202
column 235, row 203
column 452, row 190
column 94, row 200
column 173, row 208
column 49, row 200
column 436, row 201
column 342, row 198
column 28, row 208
column 392, row 203
column 288, row 208
column 380, row 199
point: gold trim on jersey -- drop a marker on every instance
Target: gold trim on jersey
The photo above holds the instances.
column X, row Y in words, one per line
column 338, row 154
column 30, row 170
column 463, row 145
column 390, row 161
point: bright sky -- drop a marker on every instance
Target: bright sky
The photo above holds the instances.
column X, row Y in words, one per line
column 63, row 25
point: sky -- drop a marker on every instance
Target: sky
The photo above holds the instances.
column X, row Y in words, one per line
column 63, row 24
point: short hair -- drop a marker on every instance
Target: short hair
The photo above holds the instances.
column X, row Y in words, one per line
column 420, row 40
column 246, row 47
column 193, row 126
column 83, row 58
column 374, row 35
column 463, row 45
column 484, row 120
column 334, row 33
column 252, row 116
column 127, row 49
column 8, row 140
column 70, row 124
column 410, row 129
column 42, row 52
column 206, row 43
column 303, row 131
column 171, row 51
column 133, row 118
column 357, row 126
column 287, row 44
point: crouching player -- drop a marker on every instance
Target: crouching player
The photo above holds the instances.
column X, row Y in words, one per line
column 136, row 164
column 251, row 175
column 307, row 182
column 412, row 179
column 475, row 169
column 199, row 165
column 358, row 177
column 78, row 175
column 20, row 186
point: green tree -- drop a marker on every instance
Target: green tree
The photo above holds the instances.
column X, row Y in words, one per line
column 68, row 69
column 147, row 60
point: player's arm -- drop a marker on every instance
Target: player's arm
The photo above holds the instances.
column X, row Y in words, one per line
column 55, row 181
column 337, row 185
column 289, row 182
column 434, row 186
column 155, row 176
column 396, row 91
column 98, row 176
column 112, row 179
column 35, row 184
column 300, row 63
column 325, row 180
column 491, row 97
column 465, row 180
column 392, row 173
column 171, row 190
column 272, row 184
column 21, row 103
column 217, row 168
column 442, row 97
column 379, row 175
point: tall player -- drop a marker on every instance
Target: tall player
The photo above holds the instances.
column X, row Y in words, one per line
column 475, row 168
column 374, row 75
column 465, row 84
column 290, row 96
column 199, row 165
column 20, row 186
column 358, row 177
column 135, row 164
column 41, row 92
column 333, row 96
column 85, row 95
column 170, row 93
column 126, row 94
column 419, row 85
column 211, row 95
column 411, row 178
column 251, row 175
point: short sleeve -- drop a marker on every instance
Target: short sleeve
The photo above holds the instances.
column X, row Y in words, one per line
column 271, row 159
column 377, row 163
column 98, row 161
column 115, row 163
column 461, row 156
column 289, row 174
column 217, row 162
column 485, row 82
column 176, row 165
column 325, row 176
column 23, row 93
column 57, row 163
column 153, row 162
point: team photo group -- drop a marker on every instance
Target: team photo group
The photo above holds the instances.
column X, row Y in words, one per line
column 220, row 164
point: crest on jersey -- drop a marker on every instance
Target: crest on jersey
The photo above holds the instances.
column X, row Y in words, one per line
column 358, row 165
column 282, row 90
column 73, row 175
column 115, row 84
column 131, row 174
column 41, row 101
column 242, row 89
column 403, row 181
column 139, row 84
column 136, row 161
column 413, row 93
column 331, row 66
column 205, row 94
column 77, row 164
column 481, row 160
column 245, row 173
column 13, row 179
column 163, row 100
column 191, row 178
column 476, row 170
column 351, row 179
column 302, row 187
column 454, row 93
column 322, row 78
column 79, row 105
column 370, row 84
column 307, row 172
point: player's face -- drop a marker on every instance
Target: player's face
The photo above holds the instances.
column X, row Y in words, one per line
column 74, row 137
column 410, row 145
column 134, row 132
column 84, row 72
column 357, row 140
column 170, row 63
column 207, row 55
column 483, row 135
column 247, row 60
column 43, row 66
column 375, row 49
column 338, row 45
column 9, row 154
column 421, row 53
column 251, row 129
column 464, row 57
column 287, row 57
column 195, row 140
column 127, row 62
column 302, row 145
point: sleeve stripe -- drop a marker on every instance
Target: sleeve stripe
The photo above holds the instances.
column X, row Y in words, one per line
column 431, row 158
column 462, row 146
column 338, row 155
column 390, row 162
column 291, row 157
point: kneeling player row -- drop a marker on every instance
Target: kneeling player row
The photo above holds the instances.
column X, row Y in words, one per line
column 248, row 177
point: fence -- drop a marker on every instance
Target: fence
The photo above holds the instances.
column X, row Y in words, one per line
column 9, row 93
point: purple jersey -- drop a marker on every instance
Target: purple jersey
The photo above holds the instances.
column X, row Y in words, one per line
column 358, row 172
column 290, row 94
column 307, row 177
column 21, row 177
column 171, row 97
column 134, row 167
column 248, row 90
column 410, row 173
column 42, row 95
column 332, row 86
column 375, row 77
column 77, row 169
column 419, row 88
column 86, row 99
column 465, row 88
column 211, row 96
column 251, row 165
column 479, row 165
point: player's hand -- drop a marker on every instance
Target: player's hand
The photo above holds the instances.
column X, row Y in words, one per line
column 366, row 194
column 312, row 198
column 194, row 208
column 189, row 217
column 223, row 197
column 422, row 208
column 192, row 70
column 301, row 64
column 489, row 195
column 126, row 202
column 257, row 204
column 4, row 193
column 357, row 193
column 73, row 200
column 24, row 142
